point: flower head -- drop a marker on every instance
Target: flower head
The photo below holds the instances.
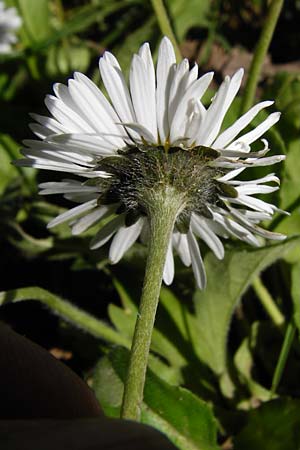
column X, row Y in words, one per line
column 155, row 133
column 9, row 22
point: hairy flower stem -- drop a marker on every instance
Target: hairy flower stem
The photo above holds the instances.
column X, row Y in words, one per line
column 165, row 26
column 260, row 53
column 163, row 207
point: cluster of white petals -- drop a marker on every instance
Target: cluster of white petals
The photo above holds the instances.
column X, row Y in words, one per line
column 160, row 107
column 9, row 23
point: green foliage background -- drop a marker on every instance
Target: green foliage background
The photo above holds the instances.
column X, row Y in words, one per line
column 215, row 354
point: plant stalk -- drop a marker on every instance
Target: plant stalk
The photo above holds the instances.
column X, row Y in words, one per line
column 165, row 25
column 165, row 204
column 284, row 353
column 260, row 54
column 267, row 302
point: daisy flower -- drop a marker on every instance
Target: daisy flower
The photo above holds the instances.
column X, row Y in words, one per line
column 9, row 23
column 155, row 132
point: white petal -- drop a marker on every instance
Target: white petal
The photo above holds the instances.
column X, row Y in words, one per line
column 168, row 274
column 117, row 89
column 195, row 91
column 141, row 132
column 87, row 221
column 101, row 99
column 48, row 164
column 67, row 116
column 71, row 213
column 178, row 88
column 164, row 73
column 237, row 230
column 255, row 229
column 250, row 189
column 255, row 134
column 43, row 150
column 93, row 112
column 49, row 123
column 218, row 108
column 196, row 117
column 197, row 262
column 268, row 178
column 89, row 143
column 106, row 232
column 254, row 203
column 142, row 88
column 180, row 244
column 231, row 174
column 62, row 188
column 230, row 133
column 124, row 239
column 200, row 228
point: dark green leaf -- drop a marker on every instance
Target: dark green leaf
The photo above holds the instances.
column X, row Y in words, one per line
column 183, row 417
column 296, row 293
column 227, row 281
column 273, row 426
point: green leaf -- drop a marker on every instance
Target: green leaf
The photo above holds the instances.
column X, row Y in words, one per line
column 9, row 151
column 184, row 418
column 243, row 361
column 296, row 293
column 107, row 387
column 36, row 19
column 290, row 195
column 283, row 356
column 124, row 321
column 7, row 171
column 176, row 310
column 290, row 188
column 227, row 281
column 185, row 16
column 273, row 426
column 67, row 311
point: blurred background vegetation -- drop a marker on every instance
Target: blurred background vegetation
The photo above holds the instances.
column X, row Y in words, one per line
column 191, row 345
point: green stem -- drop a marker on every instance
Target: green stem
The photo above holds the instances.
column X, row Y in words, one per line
column 260, row 53
column 163, row 208
column 281, row 363
column 67, row 311
column 165, row 25
column 268, row 302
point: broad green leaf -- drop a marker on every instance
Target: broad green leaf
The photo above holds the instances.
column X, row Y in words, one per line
column 124, row 321
column 273, row 426
column 296, row 293
column 7, row 171
column 107, row 387
column 176, row 310
column 243, row 361
column 9, row 151
column 186, row 15
column 36, row 19
column 67, row 311
column 227, row 281
column 290, row 188
column 184, row 418
column 290, row 195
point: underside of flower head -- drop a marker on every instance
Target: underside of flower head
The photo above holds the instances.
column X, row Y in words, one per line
column 154, row 134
